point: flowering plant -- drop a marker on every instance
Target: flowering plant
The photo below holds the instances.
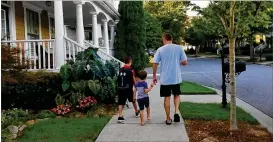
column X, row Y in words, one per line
column 86, row 102
column 61, row 109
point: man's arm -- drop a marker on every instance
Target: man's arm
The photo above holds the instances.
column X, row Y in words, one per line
column 183, row 58
column 155, row 69
column 157, row 59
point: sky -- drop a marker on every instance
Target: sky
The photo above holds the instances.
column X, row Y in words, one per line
column 202, row 4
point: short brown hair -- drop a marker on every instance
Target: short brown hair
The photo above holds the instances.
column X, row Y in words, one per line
column 142, row 74
column 127, row 60
column 168, row 36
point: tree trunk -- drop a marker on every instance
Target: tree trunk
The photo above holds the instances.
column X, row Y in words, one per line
column 232, row 39
column 251, row 48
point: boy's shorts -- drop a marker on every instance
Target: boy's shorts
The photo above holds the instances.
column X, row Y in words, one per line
column 143, row 102
column 125, row 94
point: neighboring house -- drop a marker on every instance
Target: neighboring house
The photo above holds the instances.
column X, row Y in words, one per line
column 50, row 32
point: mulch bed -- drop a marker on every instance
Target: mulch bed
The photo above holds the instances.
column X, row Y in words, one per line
column 218, row 131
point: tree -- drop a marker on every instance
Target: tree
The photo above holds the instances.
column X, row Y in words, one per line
column 131, row 33
column 171, row 14
column 236, row 19
column 153, row 32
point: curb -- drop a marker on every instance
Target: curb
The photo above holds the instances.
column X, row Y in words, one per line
column 265, row 120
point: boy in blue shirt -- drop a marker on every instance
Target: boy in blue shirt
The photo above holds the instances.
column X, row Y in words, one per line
column 142, row 95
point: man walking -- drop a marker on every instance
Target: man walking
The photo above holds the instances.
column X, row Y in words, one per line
column 171, row 57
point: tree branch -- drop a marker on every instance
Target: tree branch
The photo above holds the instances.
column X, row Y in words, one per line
column 223, row 21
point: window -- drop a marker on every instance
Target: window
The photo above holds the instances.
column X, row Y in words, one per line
column 52, row 28
column 32, row 24
column 4, row 23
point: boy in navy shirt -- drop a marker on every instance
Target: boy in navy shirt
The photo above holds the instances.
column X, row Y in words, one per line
column 142, row 95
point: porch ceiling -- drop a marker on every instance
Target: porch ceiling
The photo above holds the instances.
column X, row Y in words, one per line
column 69, row 11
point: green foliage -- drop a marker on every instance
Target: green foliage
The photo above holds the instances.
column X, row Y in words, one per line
column 74, row 98
column 94, row 86
column 112, row 67
column 30, row 90
column 59, row 100
column 65, row 73
column 171, row 14
column 78, row 69
column 79, row 85
column 13, row 117
column 87, row 78
column 153, row 31
column 87, row 55
column 9, row 59
column 46, row 114
column 131, row 33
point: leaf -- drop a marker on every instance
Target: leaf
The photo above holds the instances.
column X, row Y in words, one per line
column 65, row 85
column 59, row 100
column 65, row 71
column 78, row 69
column 94, row 86
column 79, row 85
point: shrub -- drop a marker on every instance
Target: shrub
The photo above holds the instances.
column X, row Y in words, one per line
column 30, row 90
column 10, row 59
column 89, row 75
column 13, row 117
column 46, row 114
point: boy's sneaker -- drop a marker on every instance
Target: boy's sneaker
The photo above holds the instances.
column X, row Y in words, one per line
column 121, row 120
column 137, row 114
column 176, row 118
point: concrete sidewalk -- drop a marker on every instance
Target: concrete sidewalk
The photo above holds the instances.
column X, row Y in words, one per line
column 153, row 130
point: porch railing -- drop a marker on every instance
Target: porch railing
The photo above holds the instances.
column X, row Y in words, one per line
column 103, row 53
column 37, row 54
column 71, row 49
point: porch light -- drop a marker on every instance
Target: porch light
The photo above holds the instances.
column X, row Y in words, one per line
column 48, row 3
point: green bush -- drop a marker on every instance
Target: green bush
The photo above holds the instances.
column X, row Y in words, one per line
column 46, row 114
column 30, row 90
column 13, row 117
column 89, row 75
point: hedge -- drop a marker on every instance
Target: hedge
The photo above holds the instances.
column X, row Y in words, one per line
column 30, row 90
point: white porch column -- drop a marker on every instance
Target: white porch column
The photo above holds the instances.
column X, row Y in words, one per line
column 59, row 33
column 80, row 26
column 95, row 37
column 105, row 37
column 112, row 35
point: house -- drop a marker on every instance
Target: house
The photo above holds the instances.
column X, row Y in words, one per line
column 50, row 32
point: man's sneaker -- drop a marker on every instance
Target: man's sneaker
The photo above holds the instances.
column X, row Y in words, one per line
column 121, row 120
column 176, row 118
column 137, row 114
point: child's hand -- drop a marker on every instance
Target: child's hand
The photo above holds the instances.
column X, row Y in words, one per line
column 152, row 85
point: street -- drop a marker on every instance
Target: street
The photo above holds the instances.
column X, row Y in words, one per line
column 254, row 86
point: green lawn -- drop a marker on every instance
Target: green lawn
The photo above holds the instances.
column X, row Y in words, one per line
column 65, row 130
column 194, row 88
column 212, row 111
